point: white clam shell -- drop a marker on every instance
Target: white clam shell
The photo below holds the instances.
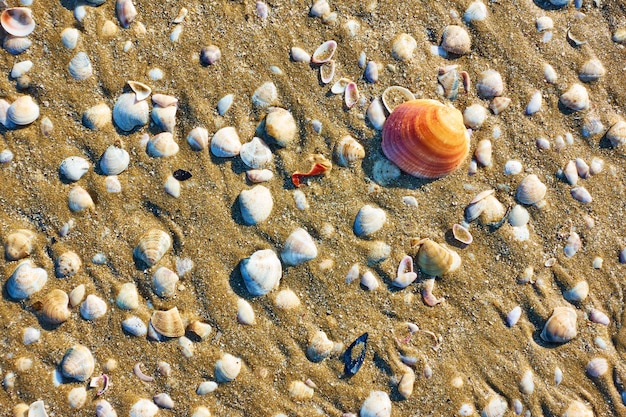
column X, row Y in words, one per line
column 245, row 312
column 581, row 194
column 578, row 409
column 572, row 245
column 376, row 114
column 531, row 190
column 561, row 326
column 544, row 23
column 578, row 292
column 591, row 70
column 165, row 117
column 105, row 409
column 320, row 347
column 474, row 116
column 126, row 12
column 21, row 68
column 256, row 176
column 534, row 105
column 114, row 160
column 77, row 397
column 77, row 295
column 490, row 84
column 36, row 409
column 496, row 407
column 369, row 220
column 483, row 153
column 320, row 8
column 617, row 134
column 261, row 272
column 143, row 407
column 198, row 139
column 133, row 325
column 281, row 126
column 377, row 404
column 18, row 21
column 67, row 264
column 403, row 47
column 152, row 246
column 162, row 145
column 19, row 244
column 23, row 111
column 224, row 104
column 597, row 367
column 201, row 411
column 456, row 40
column 300, row 55
column 255, row 204
column 299, row 248
column 69, row 37
column 324, row 52
column 206, row 387
column 513, row 316
column 127, row 297
column 227, row 368
column 549, row 74
column 265, row 95
column 527, row 383
column 15, row 45
column 576, row 98
column 225, row 143
column 97, row 117
column 476, row 11
column 79, row 199
column 26, row 280
column 93, row 307
column 369, row 281
column 164, row 282
column 129, row 113
column 519, row 216
column 73, row 168
column 78, row 363
column 256, row 154
column 31, row 335
column 80, row 67
column 163, row 400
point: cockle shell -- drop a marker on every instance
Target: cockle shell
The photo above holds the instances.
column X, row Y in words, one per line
column 129, row 113
column 261, row 272
column 67, row 264
column 531, row 190
column 369, row 220
column 348, row 151
column 377, row 404
column 26, row 280
column 23, row 111
column 576, row 98
column 152, row 246
column 561, row 326
column 18, row 21
column 78, row 363
column 164, row 117
column 425, row 138
column 105, row 409
column 490, row 84
column 456, row 40
column 198, row 139
column 403, row 47
column 73, row 168
column 162, row 145
column 265, row 95
column 255, row 204
column 281, row 126
column 80, row 67
column 227, row 368
column 164, row 282
column 93, row 307
column 597, row 367
column 496, row 407
column 54, row 307
column 114, row 160
column 79, row 199
column 15, row 45
column 300, row 391
column 225, row 143
column 19, row 244
column 168, row 323
column 436, row 260
column 143, row 408
column 299, row 248
column 255, row 154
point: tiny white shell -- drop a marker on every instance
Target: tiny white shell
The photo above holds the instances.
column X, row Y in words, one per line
column 320, row 8
column 591, row 70
column 376, row 114
column 206, row 387
column 572, row 245
column 490, row 84
column 256, row 154
column 596, row 166
column 134, row 326
column 599, row 317
column 255, row 204
column 77, row 295
column 576, row 98
column 77, row 397
column 261, row 272
column 128, row 297
column 403, row 47
column 476, row 11
column 496, row 407
column 202, row 411
column 513, row 167
column 519, row 216
column 578, row 409
column 300, row 55
column 245, row 312
column 527, row 384
column 474, row 116
column 78, row 363
column 97, row 117
column 126, row 13
column 36, row 409
column 369, row 220
column 287, row 300
column 79, row 199
column 15, row 45
column 164, row 117
column 531, row 190
column 369, row 281
column 21, row 68
column 69, row 37
column 483, row 153
column 164, row 282
column 224, row 104
column 256, row 176
column 67, row 264
column 300, row 391
column 105, row 409
column 172, row 186
column 31, row 335
column 513, row 316
column 129, row 113
column 597, row 367
column 299, row 248
column 534, row 105
column 558, row 376
column 73, row 168
column 581, row 194
column 23, row 111
column 544, row 23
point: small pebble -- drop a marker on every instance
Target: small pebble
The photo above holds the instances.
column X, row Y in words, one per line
column 597, row 262
column 99, row 259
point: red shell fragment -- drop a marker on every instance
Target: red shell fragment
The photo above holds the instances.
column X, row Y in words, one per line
column 320, row 166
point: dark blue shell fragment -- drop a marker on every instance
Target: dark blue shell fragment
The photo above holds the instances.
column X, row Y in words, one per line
column 354, row 356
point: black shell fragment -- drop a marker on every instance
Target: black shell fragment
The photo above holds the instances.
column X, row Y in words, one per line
column 354, row 356
column 182, row 175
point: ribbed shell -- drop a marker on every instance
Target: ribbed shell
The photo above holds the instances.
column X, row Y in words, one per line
column 162, row 145
column 377, row 404
column 114, row 160
column 369, row 220
column 531, row 190
column 19, row 244
column 78, row 363
column 261, row 272
column 299, row 248
column 23, row 111
column 93, row 307
column 164, row 282
column 80, row 67
column 55, row 308
column 561, row 326
column 26, row 280
column 129, row 113
column 348, row 151
column 255, row 204
column 425, row 138
column 168, row 323
column 433, row 259
column 152, row 246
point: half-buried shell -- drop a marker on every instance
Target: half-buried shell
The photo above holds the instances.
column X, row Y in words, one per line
column 152, row 246
column 435, row 260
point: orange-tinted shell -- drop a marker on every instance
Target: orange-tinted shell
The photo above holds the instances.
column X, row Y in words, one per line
column 425, row 138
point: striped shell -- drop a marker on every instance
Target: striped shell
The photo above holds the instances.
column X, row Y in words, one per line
column 19, row 244
column 168, row 323
column 348, row 151
column 425, row 138
column 55, row 308
column 436, row 260
column 152, row 246
column 561, row 326
column 78, row 363
column 299, row 248
column 261, row 272
column 23, row 111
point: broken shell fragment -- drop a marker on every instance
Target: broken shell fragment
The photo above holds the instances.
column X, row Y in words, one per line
column 405, row 275
column 168, row 323
column 152, row 247
column 261, row 272
column 324, row 52
column 561, row 326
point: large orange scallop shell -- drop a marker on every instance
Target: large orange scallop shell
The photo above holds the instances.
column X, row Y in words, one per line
column 425, row 138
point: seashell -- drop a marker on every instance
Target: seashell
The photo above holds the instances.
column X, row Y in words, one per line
column 518, row 217
column 227, row 368
column 476, row 11
column 21, row 68
column 126, row 12
column 395, row 95
column 19, row 244
column 351, row 95
column 371, row 72
column 225, row 143
column 141, row 90
column 596, row 166
column 527, row 384
column 127, row 297
column 165, row 117
column 405, row 386
column 73, row 168
column 79, row 199
column 210, row 54
column 224, row 104
column 573, row 245
column 496, row 407
column 199, row 329
column 164, row 282
column 456, row 40
column 578, row 409
column 67, row 264
column 80, row 67
column 617, row 134
column 54, row 307
column 385, row 172
column 597, row 367
column 97, row 117
column 23, row 111
column 26, row 280
column 69, row 37
column 36, row 409
column 425, row 138
column 544, row 23
column 369, row 220
column 461, row 234
column 340, row 86
column 300, row 55
column 549, row 74
column 513, row 316
column 168, row 323
column 436, row 260
column 143, row 407
column 255, row 204
column 287, row 300
column 327, row 71
column 376, row 114
column 77, row 397
column 281, row 126
column 15, row 45
column 466, row 410
column 561, row 326
column 490, row 84
column 499, row 104
column 558, row 376
column 448, row 78
column 578, row 292
column 76, row 295
column 245, row 313
column 265, row 95
column 256, row 154
column 261, row 272
column 206, row 387
column 198, row 139
column 300, row 391
column 403, row 47
column 46, row 126
column 581, row 194
column 114, row 160
column 129, row 113
column 405, row 275
column 17, row 21
column 513, row 167
column 163, row 400
column 93, row 307
column 202, row 411
column 591, row 70
column 348, row 151
column 619, row 35
column 134, row 326
column 320, row 8
column 571, row 173
column 78, row 363
column 259, row 175
column 531, row 190
column 31, row 335
column 377, row 404
column 299, row 248
column 534, row 105
column 324, row 52
column 599, row 317
column 105, row 409
column 576, row 98
column 474, row 116
column 483, row 153
column 152, row 247
column 162, row 145
column 369, row 281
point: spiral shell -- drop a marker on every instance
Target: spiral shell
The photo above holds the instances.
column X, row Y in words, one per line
column 93, row 307
column 531, row 190
column 561, row 326
column 377, row 404
column 78, row 363
column 255, row 204
column 23, row 111
column 26, row 280
column 369, row 220
column 152, row 246
column 425, row 138
column 168, row 323
column 129, row 113
column 348, row 151
column 67, row 264
column 281, row 126
column 299, row 248
column 225, row 143
column 436, row 260
column 227, row 368
column 54, row 308
column 261, row 272
column 19, row 244
column 18, row 21
column 114, row 161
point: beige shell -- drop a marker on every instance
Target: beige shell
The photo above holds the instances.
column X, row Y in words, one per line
column 18, row 21
column 348, row 151
column 67, row 264
column 126, row 12
column 436, row 260
column 93, row 307
column 80, row 67
column 97, row 117
column 227, row 368
column 561, row 326
column 578, row 409
column 492, row 210
column 256, row 154
column 200, row 329
column 165, row 117
column 456, row 40
column 198, row 139
column 162, row 145
column 499, row 104
column 225, row 143
column 54, row 307
column 152, row 247
column 77, row 295
column 168, row 323
column 256, row 176
column 299, row 248
column 591, row 70
column 78, row 363
column 128, row 297
column 23, row 111
column 377, row 404
column 406, row 384
column 164, row 282
column 245, row 312
column 531, row 190
column 19, row 244
column 286, row 300
column 496, row 407
column 142, row 91
column 576, row 98
column 597, row 367
column 300, row 391
column 79, row 199
column 281, row 126
column 617, row 134
column 490, row 84
column 26, row 280
column 369, row 220
column 320, row 347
